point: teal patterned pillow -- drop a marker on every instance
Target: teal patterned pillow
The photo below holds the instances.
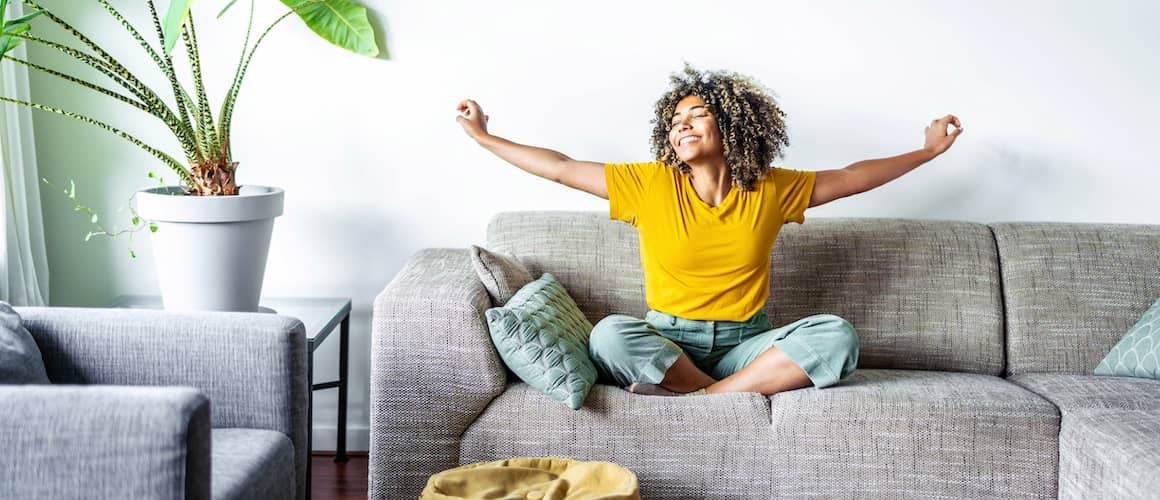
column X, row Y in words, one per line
column 1138, row 353
column 543, row 337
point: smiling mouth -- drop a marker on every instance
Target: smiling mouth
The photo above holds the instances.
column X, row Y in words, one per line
column 686, row 140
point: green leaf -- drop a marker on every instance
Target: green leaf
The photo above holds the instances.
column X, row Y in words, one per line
column 72, row 190
column 152, row 227
column 132, row 254
column 341, row 22
column 93, row 219
column 136, row 221
column 227, row 7
column 88, row 236
column 8, row 43
column 150, row 175
column 175, row 18
column 23, row 20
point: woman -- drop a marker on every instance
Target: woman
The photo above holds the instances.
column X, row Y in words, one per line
column 708, row 212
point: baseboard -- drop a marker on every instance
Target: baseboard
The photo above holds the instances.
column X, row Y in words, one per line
column 357, row 438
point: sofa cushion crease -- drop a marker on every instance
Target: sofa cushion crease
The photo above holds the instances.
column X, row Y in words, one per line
column 677, row 447
column 926, row 433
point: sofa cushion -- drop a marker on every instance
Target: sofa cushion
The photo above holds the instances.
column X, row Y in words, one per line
column 252, row 463
column 916, row 434
column 686, row 447
column 922, row 294
column 1138, row 353
column 543, row 337
column 1072, row 290
column 1088, row 392
column 502, row 275
column 1109, row 454
column 20, row 359
column 596, row 258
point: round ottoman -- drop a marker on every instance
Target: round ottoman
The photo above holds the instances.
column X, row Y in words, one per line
column 534, row 479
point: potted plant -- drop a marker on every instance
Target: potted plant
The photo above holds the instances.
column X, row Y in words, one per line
column 208, row 217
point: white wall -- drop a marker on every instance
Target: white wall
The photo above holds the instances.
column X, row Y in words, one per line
column 1058, row 102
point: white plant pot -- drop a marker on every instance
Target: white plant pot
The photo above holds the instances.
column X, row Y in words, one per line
column 211, row 250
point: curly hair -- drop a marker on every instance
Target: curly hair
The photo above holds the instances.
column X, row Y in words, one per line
column 752, row 125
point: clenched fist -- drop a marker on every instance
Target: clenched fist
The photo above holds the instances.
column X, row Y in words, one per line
column 937, row 138
column 472, row 119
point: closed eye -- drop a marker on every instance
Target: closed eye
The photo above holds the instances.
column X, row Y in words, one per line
column 700, row 115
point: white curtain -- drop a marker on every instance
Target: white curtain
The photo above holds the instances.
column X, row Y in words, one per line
column 23, row 261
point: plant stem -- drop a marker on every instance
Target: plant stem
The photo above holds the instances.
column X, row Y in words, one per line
column 143, row 91
column 90, row 60
column 179, row 93
column 228, row 103
column 183, row 130
column 156, row 107
column 111, row 93
column 173, row 164
column 205, row 118
column 232, row 94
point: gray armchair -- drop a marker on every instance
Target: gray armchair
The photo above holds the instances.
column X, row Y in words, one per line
column 154, row 404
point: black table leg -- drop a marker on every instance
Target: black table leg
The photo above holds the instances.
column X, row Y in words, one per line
column 343, row 361
column 309, row 413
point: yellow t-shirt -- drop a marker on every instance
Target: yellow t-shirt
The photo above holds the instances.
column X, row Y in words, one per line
column 702, row 262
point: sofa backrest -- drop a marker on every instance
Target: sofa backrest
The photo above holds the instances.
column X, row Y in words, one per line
column 1072, row 290
column 921, row 294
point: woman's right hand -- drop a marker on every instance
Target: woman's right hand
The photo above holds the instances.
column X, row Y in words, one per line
column 472, row 119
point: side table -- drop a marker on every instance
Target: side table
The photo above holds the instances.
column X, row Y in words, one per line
column 320, row 315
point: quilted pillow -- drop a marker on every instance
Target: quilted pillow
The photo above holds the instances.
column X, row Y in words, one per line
column 543, row 337
column 20, row 360
column 501, row 274
column 1138, row 353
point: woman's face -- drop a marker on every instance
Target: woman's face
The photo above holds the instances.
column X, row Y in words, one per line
column 693, row 131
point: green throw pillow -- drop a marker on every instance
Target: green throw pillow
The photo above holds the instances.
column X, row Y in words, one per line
column 1138, row 353
column 543, row 337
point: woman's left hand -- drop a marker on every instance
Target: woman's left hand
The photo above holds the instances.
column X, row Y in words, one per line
column 937, row 138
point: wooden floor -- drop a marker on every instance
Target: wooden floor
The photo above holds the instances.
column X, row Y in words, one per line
column 331, row 481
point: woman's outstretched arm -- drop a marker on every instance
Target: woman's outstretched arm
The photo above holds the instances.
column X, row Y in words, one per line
column 865, row 175
column 586, row 176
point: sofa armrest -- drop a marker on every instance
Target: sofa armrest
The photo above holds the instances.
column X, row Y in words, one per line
column 252, row 366
column 433, row 370
column 104, row 442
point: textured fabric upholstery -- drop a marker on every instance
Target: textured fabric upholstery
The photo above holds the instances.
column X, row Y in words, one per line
column 252, row 464
column 923, row 416
column 1109, row 454
column 20, row 361
column 596, row 259
column 690, row 447
column 252, row 367
column 913, row 434
column 922, row 294
column 902, row 434
column 433, row 370
column 64, row 441
column 1090, row 392
column 1109, row 433
column 1072, row 290
column 502, row 275
column 543, row 337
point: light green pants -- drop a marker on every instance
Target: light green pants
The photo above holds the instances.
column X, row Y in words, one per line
column 629, row 350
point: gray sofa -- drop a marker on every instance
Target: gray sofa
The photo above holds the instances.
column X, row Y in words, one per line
column 977, row 348
column 129, row 412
